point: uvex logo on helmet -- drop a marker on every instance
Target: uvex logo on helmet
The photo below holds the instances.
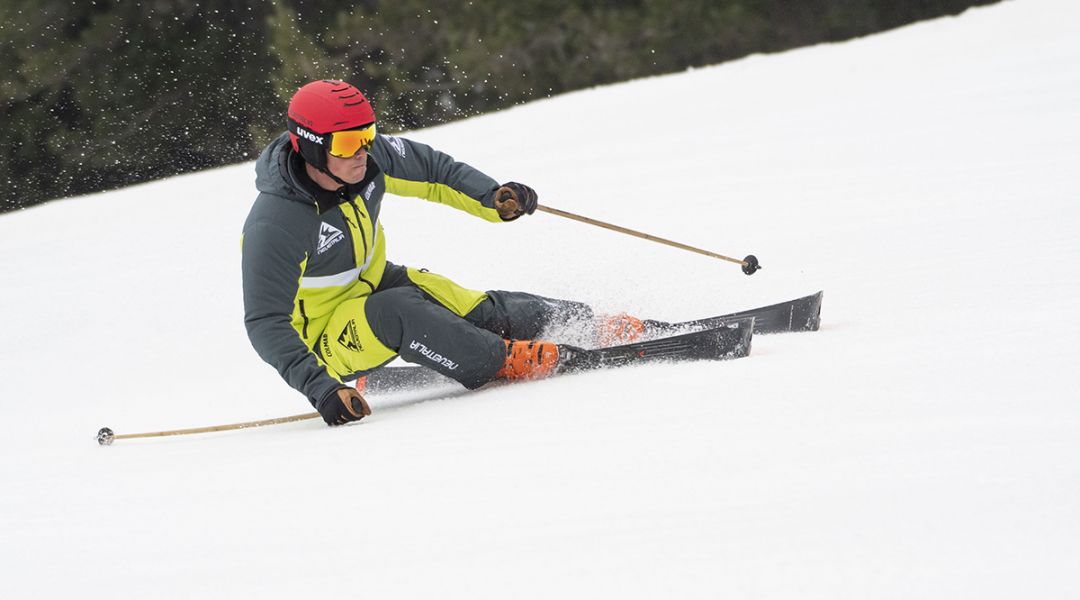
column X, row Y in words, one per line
column 323, row 107
column 300, row 131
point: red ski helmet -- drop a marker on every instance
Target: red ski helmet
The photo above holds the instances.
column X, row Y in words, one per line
column 323, row 107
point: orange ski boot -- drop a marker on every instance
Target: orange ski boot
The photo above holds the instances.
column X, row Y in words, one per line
column 528, row 359
column 615, row 330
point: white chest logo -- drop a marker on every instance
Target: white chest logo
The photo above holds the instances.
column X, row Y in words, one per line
column 397, row 144
column 328, row 236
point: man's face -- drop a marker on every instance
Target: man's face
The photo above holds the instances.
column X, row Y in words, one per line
column 349, row 170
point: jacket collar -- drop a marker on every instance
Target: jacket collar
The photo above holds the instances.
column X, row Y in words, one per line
column 293, row 169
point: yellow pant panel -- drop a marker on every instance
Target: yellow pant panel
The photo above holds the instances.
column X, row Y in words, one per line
column 348, row 344
column 459, row 300
column 313, row 307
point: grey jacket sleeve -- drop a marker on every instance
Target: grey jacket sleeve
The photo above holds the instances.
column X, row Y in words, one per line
column 271, row 274
column 415, row 169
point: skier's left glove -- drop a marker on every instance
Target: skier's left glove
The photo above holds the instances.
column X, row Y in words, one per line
column 514, row 199
column 343, row 405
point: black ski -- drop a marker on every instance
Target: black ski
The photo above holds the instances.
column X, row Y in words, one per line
column 801, row 314
column 728, row 340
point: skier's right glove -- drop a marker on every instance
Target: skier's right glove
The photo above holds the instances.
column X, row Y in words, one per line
column 343, row 405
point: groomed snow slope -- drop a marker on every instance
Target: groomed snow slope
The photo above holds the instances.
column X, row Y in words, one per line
column 923, row 444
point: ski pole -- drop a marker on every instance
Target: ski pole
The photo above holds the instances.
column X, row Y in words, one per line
column 749, row 264
column 105, row 436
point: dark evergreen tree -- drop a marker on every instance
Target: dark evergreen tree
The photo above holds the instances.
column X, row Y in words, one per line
column 105, row 93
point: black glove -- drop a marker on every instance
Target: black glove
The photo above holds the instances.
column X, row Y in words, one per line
column 514, row 199
column 343, row 405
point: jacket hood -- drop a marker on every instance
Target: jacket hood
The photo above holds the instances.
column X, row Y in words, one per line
column 273, row 173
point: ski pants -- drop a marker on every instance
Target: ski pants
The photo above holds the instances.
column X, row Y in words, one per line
column 429, row 320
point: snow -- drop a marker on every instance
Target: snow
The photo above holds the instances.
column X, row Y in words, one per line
column 923, row 444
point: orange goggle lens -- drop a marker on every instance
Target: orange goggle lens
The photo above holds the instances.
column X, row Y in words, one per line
column 345, row 144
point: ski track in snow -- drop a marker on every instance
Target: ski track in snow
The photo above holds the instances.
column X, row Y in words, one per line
column 923, row 444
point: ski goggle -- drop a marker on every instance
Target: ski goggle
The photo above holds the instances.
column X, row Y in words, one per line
column 345, row 144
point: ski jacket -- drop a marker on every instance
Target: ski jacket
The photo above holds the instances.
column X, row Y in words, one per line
column 305, row 251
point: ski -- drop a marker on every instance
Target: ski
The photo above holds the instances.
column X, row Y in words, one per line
column 801, row 314
column 728, row 340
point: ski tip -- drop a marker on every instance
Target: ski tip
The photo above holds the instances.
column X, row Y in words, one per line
column 734, row 338
column 742, row 349
column 813, row 322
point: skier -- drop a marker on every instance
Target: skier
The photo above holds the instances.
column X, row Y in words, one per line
column 323, row 304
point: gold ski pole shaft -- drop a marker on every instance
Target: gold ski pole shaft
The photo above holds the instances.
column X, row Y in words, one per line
column 749, row 264
column 106, row 436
